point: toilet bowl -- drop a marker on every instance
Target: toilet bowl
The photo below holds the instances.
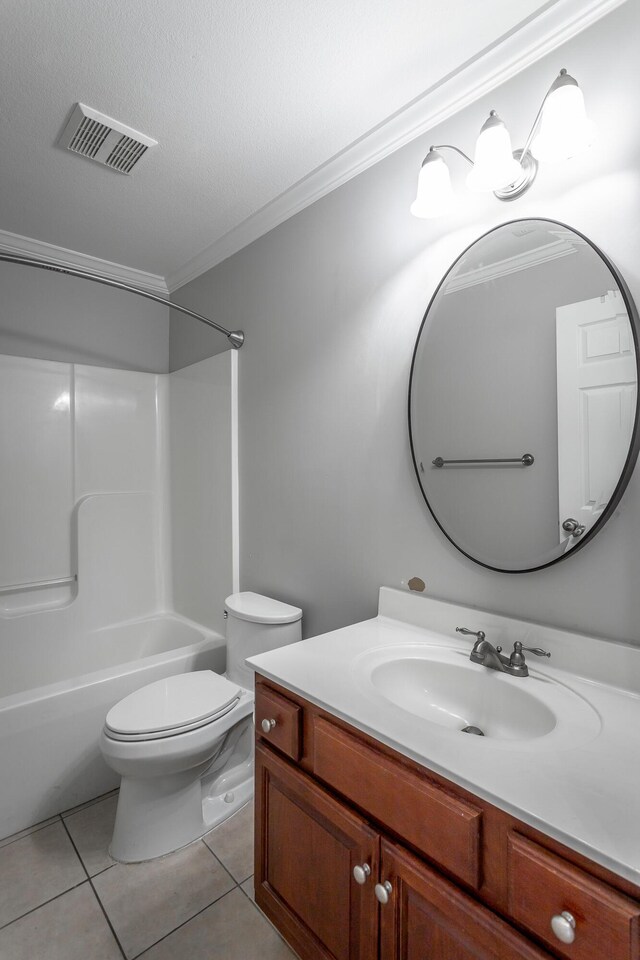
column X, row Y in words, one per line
column 183, row 746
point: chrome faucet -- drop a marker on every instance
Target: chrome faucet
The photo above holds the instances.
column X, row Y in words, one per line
column 486, row 654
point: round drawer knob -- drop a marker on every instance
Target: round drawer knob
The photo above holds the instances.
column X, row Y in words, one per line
column 383, row 891
column 361, row 873
column 268, row 725
column 564, row 927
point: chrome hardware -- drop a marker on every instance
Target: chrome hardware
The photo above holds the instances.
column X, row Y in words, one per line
column 489, row 656
column 539, row 652
column 226, row 615
column 268, row 725
column 361, row 873
column 383, row 891
column 573, row 527
column 471, row 728
column 517, row 662
column 525, row 460
column 235, row 337
column 564, row 926
column 480, row 634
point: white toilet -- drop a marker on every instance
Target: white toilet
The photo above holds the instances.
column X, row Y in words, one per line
column 184, row 745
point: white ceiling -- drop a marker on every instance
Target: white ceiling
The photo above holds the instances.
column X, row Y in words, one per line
column 246, row 98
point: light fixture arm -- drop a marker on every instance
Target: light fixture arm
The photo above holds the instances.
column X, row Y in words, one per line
column 536, row 122
column 528, row 163
column 450, row 146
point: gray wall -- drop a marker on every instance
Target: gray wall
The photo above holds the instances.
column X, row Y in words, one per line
column 331, row 302
column 51, row 316
column 200, row 447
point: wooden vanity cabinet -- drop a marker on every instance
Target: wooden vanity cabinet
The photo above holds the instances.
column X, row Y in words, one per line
column 307, row 845
column 465, row 880
column 427, row 916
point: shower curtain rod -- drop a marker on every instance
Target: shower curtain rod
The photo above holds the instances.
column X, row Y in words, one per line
column 235, row 337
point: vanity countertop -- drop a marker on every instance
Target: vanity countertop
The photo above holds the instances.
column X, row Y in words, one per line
column 585, row 793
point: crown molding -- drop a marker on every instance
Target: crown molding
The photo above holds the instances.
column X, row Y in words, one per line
column 541, row 34
column 60, row 256
column 502, row 268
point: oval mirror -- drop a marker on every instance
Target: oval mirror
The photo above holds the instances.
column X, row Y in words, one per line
column 523, row 408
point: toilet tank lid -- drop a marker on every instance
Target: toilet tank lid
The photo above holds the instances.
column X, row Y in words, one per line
column 259, row 609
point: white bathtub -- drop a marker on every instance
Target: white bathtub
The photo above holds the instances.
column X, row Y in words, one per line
column 49, row 755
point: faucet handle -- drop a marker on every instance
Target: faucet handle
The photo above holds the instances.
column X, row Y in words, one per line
column 480, row 634
column 517, row 657
column 539, row 652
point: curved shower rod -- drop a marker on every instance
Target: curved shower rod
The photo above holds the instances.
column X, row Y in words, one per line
column 235, row 337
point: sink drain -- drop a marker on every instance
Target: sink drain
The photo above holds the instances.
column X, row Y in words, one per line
column 471, row 729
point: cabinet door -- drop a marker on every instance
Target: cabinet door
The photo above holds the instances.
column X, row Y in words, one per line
column 307, row 845
column 428, row 918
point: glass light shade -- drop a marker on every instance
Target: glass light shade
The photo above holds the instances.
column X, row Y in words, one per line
column 494, row 165
column 564, row 127
column 435, row 195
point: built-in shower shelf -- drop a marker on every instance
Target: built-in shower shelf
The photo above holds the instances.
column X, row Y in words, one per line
column 19, row 598
column 37, row 585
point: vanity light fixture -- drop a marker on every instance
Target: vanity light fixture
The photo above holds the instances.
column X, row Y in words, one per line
column 560, row 130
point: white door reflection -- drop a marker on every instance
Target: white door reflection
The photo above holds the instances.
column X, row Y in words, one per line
column 596, row 377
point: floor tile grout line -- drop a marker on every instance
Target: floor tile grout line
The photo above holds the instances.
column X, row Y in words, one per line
column 99, row 873
column 43, row 904
column 71, row 811
column 264, row 916
column 222, row 864
column 269, row 921
column 248, row 896
column 185, row 922
column 50, row 822
column 95, row 892
column 75, row 849
column 106, row 917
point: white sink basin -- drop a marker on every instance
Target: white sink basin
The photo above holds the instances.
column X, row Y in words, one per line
column 442, row 686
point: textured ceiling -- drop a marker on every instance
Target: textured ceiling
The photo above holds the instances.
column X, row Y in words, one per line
column 245, row 97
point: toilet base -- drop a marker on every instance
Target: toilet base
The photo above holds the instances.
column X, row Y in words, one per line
column 227, row 793
column 158, row 815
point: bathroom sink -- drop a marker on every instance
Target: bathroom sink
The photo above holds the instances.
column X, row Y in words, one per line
column 441, row 686
column 461, row 698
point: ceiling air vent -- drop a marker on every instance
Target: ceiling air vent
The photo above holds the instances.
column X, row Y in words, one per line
column 93, row 135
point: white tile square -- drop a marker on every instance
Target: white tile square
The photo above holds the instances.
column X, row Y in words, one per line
column 35, row 869
column 71, row 927
column 231, row 929
column 232, row 843
column 146, row 901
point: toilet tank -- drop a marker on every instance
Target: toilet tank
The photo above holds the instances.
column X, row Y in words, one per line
column 256, row 624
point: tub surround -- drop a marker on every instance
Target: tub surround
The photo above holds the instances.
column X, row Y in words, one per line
column 86, row 454
column 583, row 794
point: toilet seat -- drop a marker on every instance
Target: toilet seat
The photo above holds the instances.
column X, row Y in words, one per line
column 173, row 706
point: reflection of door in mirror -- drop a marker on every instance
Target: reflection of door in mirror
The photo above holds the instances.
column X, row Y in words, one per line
column 596, row 373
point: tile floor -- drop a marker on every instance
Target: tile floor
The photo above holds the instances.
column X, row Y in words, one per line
column 62, row 897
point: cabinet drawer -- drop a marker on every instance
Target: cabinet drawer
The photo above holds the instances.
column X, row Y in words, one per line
column 439, row 825
column 542, row 885
column 282, row 722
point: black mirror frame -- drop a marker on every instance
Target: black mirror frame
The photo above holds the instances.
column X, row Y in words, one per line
column 634, row 446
